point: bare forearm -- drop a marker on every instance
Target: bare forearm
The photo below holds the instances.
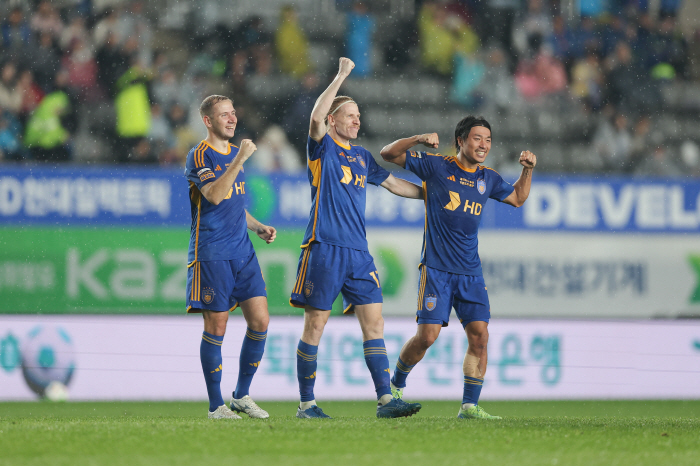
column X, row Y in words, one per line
column 216, row 191
column 402, row 188
column 396, row 149
column 252, row 222
column 325, row 100
column 522, row 186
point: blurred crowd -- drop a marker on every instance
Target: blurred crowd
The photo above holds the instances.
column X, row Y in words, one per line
column 610, row 64
column 83, row 84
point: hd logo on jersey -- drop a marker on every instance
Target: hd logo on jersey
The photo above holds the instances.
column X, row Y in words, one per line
column 481, row 186
column 308, row 288
column 207, row 295
column 430, row 302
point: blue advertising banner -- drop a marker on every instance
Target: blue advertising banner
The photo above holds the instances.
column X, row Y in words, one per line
column 121, row 196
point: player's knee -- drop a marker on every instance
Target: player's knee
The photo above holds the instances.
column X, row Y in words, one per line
column 260, row 324
column 426, row 340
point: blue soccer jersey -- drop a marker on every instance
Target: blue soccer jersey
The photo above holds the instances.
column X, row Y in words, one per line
column 454, row 200
column 338, row 175
column 218, row 232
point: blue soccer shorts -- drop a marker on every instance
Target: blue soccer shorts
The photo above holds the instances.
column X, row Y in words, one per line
column 439, row 292
column 221, row 285
column 325, row 270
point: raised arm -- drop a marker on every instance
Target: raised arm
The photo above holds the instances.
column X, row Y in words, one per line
column 266, row 233
column 396, row 151
column 217, row 190
column 522, row 187
column 317, row 126
column 402, row 187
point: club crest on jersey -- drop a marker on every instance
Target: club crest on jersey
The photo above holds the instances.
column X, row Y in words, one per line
column 207, row 295
column 362, row 162
column 430, row 302
column 481, row 186
column 308, row 288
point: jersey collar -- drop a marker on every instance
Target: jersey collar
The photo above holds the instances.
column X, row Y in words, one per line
column 346, row 147
column 212, row 148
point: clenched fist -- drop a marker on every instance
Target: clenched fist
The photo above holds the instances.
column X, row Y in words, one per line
column 528, row 159
column 345, row 67
column 429, row 140
column 246, row 150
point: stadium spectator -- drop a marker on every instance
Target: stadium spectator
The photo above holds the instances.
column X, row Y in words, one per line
column 254, row 54
column 11, row 91
column 296, row 114
column 81, row 65
column 133, row 109
column 46, row 20
column 111, row 64
column 10, row 137
column 358, row 38
column 535, row 26
column 291, row 44
column 275, row 154
column 499, row 19
column 50, row 126
column 628, row 85
column 642, row 141
column 16, row 33
column 166, row 88
column 498, row 86
column 31, row 96
column 587, row 80
column 612, row 143
column 132, row 23
column 561, row 40
column 108, row 28
column 160, row 133
column 540, row 76
column 43, row 58
column 76, row 29
column 469, row 71
column 443, row 33
column 658, row 162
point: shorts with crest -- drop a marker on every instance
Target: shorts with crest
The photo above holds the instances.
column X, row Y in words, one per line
column 439, row 292
column 221, row 285
column 325, row 270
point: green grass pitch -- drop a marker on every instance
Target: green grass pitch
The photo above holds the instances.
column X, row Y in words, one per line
column 177, row 433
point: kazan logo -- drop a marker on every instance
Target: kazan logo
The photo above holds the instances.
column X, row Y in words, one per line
column 207, row 295
column 481, row 186
column 308, row 288
column 430, row 302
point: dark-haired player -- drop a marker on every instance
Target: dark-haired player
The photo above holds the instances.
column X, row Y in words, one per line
column 223, row 271
column 455, row 190
column 335, row 258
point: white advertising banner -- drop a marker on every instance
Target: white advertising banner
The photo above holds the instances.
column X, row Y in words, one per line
column 157, row 358
column 554, row 275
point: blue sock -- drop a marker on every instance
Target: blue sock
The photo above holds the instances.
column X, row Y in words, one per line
column 472, row 389
column 400, row 373
column 251, row 354
column 378, row 364
column 210, row 356
column 306, row 370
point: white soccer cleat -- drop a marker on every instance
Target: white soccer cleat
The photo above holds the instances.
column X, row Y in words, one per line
column 248, row 406
column 222, row 412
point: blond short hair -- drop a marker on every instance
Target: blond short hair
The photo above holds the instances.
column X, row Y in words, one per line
column 207, row 104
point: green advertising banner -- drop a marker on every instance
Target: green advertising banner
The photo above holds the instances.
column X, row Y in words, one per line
column 108, row 270
column 82, row 270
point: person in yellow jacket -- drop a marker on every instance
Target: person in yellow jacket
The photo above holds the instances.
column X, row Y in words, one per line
column 48, row 131
column 291, row 45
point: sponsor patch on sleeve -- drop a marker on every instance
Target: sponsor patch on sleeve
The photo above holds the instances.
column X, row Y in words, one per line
column 416, row 154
